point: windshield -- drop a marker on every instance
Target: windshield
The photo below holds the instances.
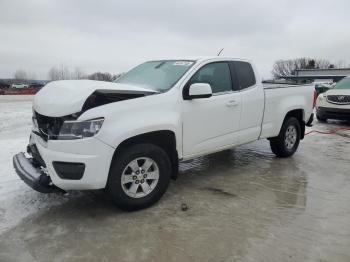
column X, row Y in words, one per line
column 156, row 75
column 343, row 84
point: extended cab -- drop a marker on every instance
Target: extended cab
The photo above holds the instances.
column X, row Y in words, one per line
column 129, row 136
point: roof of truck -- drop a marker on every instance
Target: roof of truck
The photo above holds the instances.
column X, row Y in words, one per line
column 201, row 58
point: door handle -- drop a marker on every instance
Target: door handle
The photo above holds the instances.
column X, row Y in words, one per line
column 232, row 103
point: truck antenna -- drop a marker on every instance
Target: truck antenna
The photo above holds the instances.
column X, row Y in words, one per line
column 220, row 52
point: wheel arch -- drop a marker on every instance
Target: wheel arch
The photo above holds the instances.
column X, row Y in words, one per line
column 165, row 139
column 299, row 114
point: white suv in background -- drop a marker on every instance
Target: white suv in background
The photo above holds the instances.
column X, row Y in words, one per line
column 19, row 86
column 335, row 103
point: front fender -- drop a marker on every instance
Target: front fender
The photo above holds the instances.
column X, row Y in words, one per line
column 138, row 116
column 117, row 130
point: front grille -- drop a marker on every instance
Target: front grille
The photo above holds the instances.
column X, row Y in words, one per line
column 338, row 99
column 49, row 127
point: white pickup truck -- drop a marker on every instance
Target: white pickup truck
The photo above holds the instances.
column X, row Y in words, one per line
column 129, row 136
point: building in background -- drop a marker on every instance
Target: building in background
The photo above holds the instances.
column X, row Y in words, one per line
column 312, row 75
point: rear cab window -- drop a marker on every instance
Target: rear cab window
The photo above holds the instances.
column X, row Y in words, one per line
column 245, row 74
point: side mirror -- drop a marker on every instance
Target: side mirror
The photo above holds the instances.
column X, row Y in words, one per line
column 199, row 90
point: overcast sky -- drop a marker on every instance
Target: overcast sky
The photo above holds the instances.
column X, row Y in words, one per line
column 115, row 35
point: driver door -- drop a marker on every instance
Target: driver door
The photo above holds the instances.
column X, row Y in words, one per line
column 212, row 124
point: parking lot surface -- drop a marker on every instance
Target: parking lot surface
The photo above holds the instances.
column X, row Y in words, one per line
column 243, row 205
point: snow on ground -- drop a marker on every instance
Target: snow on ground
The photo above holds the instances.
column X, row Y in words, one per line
column 15, row 115
column 17, row 200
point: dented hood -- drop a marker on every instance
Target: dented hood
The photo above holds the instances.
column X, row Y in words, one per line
column 65, row 97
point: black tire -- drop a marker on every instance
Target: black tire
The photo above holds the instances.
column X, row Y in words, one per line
column 121, row 161
column 278, row 145
column 321, row 119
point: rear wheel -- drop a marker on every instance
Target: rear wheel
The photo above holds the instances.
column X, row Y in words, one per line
column 139, row 176
column 287, row 142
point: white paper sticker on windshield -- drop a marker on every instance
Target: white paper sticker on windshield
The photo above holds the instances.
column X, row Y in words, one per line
column 183, row 63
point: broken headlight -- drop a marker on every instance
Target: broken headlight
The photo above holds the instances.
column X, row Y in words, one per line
column 80, row 129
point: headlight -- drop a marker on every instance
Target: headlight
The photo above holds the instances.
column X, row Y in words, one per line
column 322, row 96
column 80, row 129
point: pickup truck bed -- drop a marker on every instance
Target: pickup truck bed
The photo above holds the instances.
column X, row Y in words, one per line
column 281, row 99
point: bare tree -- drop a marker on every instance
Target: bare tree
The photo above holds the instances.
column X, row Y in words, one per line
column 282, row 68
column 341, row 64
column 103, row 76
column 62, row 72
column 78, row 74
column 20, row 75
column 53, row 74
column 322, row 63
column 59, row 73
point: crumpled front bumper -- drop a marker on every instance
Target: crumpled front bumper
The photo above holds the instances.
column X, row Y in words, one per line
column 52, row 163
column 33, row 176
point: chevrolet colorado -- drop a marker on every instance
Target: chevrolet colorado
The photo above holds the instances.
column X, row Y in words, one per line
column 129, row 136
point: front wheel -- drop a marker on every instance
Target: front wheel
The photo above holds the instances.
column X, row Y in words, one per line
column 287, row 142
column 139, row 176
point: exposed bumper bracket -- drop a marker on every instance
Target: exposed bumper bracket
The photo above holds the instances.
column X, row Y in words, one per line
column 33, row 176
column 311, row 119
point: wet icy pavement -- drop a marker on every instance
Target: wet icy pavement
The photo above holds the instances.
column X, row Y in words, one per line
column 244, row 205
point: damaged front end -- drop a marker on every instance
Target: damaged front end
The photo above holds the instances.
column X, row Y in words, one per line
column 49, row 127
column 56, row 111
column 53, row 128
column 33, row 173
column 30, row 166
